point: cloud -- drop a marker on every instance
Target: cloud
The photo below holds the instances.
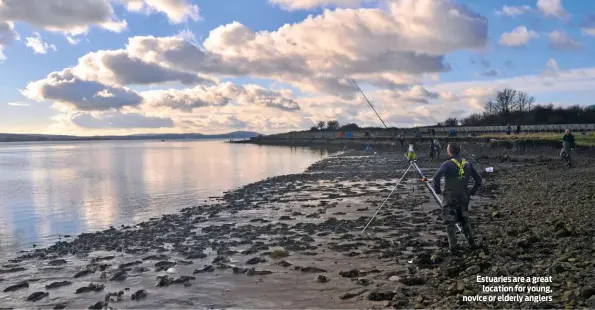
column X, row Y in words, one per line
column 377, row 48
column 18, row 104
column 490, row 72
column 7, row 36
column 518, row 37
column 37, row 44
column 188, row 99
column 560, row 40
column 514, row 11
column 551, row 69
column 70, row 91
column 72, row 16
column 552, row 8
column 588, row 25
column 293, row 5
column 120, row 68
column 177, row 11
column 118, row 120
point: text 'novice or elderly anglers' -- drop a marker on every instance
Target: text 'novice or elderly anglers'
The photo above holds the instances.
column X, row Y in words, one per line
column 512, row 289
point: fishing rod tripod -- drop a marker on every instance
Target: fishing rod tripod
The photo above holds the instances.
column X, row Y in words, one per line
column 425, row 181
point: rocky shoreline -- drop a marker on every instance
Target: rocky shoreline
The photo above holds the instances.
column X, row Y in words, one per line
column 294, row 242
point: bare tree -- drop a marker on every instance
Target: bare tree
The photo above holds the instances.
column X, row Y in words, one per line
column 332, row 125
column 451, row 122
column 506, row 101
column 490, row 108
column 321, row 125
column 524, row 102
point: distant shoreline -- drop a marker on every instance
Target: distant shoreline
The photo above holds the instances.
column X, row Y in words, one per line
column 183, row 136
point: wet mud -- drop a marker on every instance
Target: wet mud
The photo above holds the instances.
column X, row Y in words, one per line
column 295, row 241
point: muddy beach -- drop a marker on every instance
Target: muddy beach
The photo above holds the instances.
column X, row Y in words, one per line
column 294, row 242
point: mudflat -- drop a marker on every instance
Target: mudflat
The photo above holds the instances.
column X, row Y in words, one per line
column 294, row 242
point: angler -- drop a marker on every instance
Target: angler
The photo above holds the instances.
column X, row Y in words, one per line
column 456, row 196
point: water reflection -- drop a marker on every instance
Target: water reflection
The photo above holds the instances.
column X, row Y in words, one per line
column 51, row 189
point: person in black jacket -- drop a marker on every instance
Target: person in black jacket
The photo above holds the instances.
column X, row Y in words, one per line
column 567, row 146
column 457, row 173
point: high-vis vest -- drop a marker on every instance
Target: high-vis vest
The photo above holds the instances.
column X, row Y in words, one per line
column 461, row 166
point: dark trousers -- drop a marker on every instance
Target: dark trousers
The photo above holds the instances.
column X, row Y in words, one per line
column 456, row 210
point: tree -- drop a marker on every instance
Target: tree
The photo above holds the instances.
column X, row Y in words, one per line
column 505, row 102
column 350, row 126
column 332, row 125
column 490, row 108
column 451, row 122
column 321, row 125
column 524, row 102
column 314, row 128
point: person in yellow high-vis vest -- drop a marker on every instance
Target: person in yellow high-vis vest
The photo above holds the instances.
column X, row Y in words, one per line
column 457, row 173
column 411, row 153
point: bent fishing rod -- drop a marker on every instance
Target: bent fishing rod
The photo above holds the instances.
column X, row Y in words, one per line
column 412, row 163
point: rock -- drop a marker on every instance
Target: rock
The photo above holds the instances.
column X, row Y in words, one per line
column 473, row 269
column 57, row 262
column 363, row 281
column 278, row 253
column 400, row 303
column 350, row 295
column 283, row 264
column 496, row 214
column 12, row 270
column 83, row 273
column 17, row 286
column 126, row 265
column 183, row 279
column 60, row 306
column 587, row 292
column 99, row 259
column 562, row 233
column 164, row 265
column 98, row 306
column 207, row 268
column 255, row 260
column 57, row 284
column 221, row 259
column 381, row 295
column 120, row 275
column 322, row 279
column 157, row 257
column 238, row 270
column 90, row 288
column 163, row 281
column 140, row 294
column 353, row 273
column 254, row 272
column 412, row 281
column 312, row 269
column 37, row 296
column 591, row 302
column 460, row 286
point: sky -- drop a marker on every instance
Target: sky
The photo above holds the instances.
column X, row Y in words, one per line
column 89, row 67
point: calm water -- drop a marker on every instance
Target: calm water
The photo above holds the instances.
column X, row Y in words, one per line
column 51, row 189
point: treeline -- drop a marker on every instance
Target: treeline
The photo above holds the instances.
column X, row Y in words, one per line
column 334, row 125
column 516, row 107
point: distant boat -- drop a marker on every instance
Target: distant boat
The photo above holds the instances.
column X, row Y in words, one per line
column 162, row 140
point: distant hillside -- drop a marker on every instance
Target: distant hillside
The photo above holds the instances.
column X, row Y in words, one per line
column 7, row 137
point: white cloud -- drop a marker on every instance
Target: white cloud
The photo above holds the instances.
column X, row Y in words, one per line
column 177, row 11
column 38, row 45
column 560, row 40
column 518, row 37
column 70, row 91
column 292, row 5
column 552, row 8
column 72, row 16
column 118, row 120
column 7, row 36
column 588, row 25
column 514, row 11
column 220, row 95
column 18, row 104
column 551, row 69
